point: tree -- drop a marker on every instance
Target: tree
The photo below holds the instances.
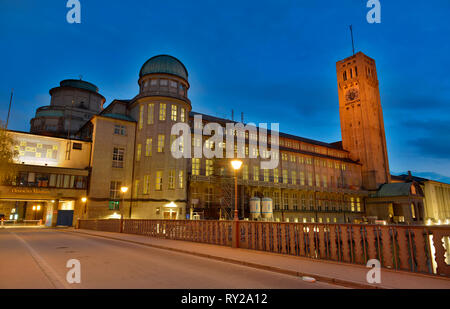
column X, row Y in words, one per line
column 7, row 155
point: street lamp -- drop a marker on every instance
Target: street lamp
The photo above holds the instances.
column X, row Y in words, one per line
column 124, row 190
column 236, row 164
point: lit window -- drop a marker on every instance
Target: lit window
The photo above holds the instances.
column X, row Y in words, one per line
column 136, row 187
column 294, row 177
column 174, row 113
column 141, row 116
column 195, row 166
column 266, row 175
column 182, row 114
column 302, row 178
column 161, row 138
column 146, row 187
column 310, row 179
column 172, row 179
column 245, row 172
column 324, row 178
column 159, row 180
column 275, row 175
column 285, row 176
column 138, row 152
column 162, row 111
column 209, row 168
column 150, row 112
column 148, row 147
column 256, row 173
column 180, row 179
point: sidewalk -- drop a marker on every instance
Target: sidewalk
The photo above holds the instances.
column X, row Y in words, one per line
column 353, row 276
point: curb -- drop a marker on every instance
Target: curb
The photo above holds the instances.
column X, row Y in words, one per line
column 321, row 278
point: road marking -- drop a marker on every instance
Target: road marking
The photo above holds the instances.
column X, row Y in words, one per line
column 46, row 269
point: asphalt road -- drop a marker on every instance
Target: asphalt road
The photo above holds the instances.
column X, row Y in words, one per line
column 36, row 258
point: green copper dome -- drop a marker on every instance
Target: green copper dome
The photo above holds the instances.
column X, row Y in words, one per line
column 164, row 64
column 78, row 83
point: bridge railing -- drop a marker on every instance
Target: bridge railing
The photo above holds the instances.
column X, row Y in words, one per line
column 423, row 249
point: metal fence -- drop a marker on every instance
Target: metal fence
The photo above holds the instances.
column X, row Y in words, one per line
column 423, row 249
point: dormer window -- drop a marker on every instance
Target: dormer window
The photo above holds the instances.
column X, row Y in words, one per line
column 164, row 82
column 153, row 82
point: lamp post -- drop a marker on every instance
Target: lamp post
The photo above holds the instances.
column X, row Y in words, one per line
column 84, row 201
column 124, row 190
column 236, row 164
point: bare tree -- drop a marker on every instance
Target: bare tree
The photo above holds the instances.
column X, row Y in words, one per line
column 8, row 170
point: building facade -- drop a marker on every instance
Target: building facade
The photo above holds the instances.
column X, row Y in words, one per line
column 130, row 169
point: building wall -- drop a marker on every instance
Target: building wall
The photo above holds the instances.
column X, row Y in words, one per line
column 106, row 167
column 437, row 202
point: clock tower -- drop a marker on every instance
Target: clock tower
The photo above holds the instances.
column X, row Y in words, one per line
column 362, row 124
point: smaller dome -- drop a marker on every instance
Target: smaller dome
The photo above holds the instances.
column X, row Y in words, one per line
column 78, row 83
column 164, row 64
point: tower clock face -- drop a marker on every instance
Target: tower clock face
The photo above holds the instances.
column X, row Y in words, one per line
column 352, row 94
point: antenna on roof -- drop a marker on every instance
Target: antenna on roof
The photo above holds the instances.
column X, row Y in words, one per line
column 232, row 115
column 9, row 109
column 81, row 77
column 353, row 44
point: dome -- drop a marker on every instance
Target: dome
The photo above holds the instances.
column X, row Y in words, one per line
column 78, row 83
column 164, row 64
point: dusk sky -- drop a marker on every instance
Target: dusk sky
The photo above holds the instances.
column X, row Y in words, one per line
column 273, row 60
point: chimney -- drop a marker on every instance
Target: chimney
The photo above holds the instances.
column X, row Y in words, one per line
column 410, row 176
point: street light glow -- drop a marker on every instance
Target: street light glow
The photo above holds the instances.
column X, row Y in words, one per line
column 124, row 189
column 84, row 199
column 236, row 164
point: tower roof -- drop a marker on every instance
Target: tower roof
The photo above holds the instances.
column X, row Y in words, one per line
column 164, row 64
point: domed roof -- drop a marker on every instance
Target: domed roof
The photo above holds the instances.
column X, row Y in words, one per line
column 78, row 83
column 164, row 64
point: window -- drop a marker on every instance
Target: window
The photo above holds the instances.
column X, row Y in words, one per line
column 173, row 84
column 256, row 173
column 294, row 177
column 276, row 198
column 294, row 201
column 146, row 187
column 181, row 179
column 266, row 175
column 141, row 116
column 159, row 180
column 285, row 201
column 275, row 175
column 148, row 147
column 245, row 172
column 302, row 178
column 120, row 130
column 172, row 179
column 138, row 152
column 174, row 113
column 161, row 142
column 164, row 82
column 310, row 179
column 324, row 180
column 114, row 190
column 209, row 168
column 284, row 156
column 413, row 211
column 153, row 82
column 352, row 203
column 162, row 111
column 345, row 76
column 358, row 204
column 182, row 114
column 285, row 176
column 195, row 166
column 118, row 154
column 317, row 180
column 77, row 146
column 136, row 187
column 150, row 113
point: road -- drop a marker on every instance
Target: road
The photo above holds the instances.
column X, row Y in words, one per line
column 36, row 258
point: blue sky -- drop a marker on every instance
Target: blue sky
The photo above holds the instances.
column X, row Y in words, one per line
column 272, row 60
